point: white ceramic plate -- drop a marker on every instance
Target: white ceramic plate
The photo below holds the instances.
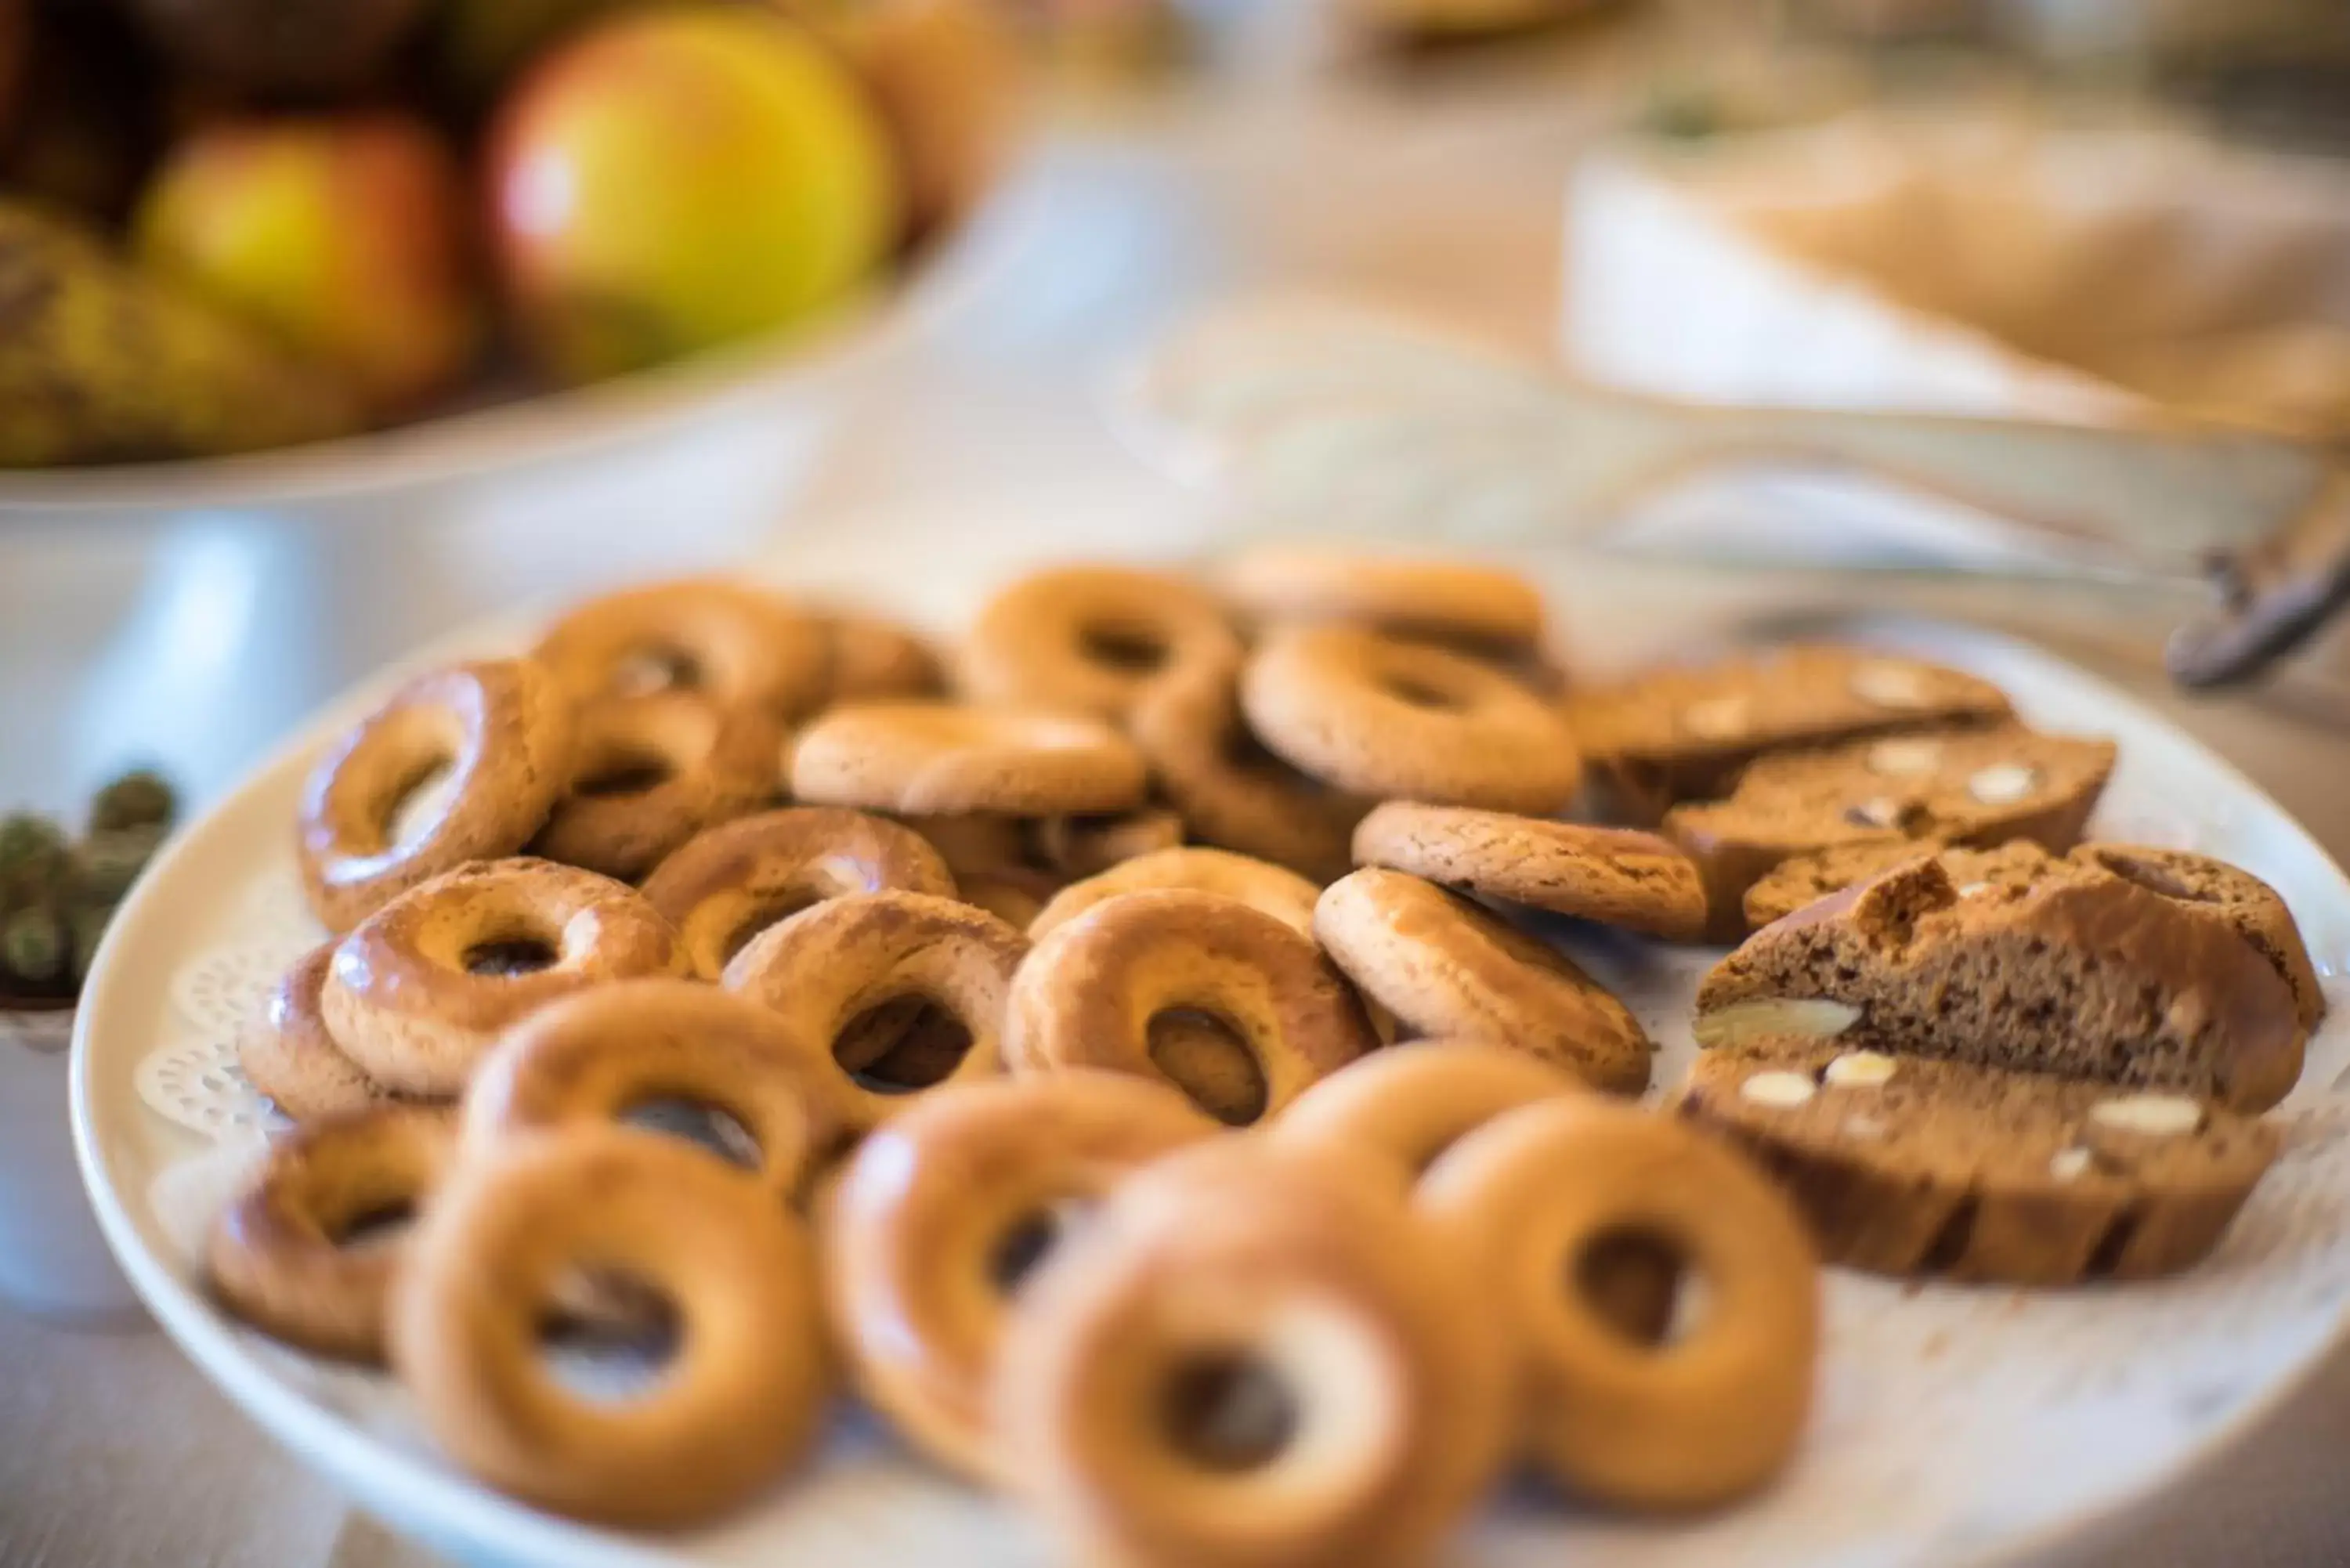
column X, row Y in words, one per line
column 1953, row 1424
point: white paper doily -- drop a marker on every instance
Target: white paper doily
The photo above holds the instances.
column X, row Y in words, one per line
column 1953, row 1423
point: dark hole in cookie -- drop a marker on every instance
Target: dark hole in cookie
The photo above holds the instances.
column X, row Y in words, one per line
column 1640, row 1285
column 1022, row 1248
column 1210, row 1059
column 1243, row 753
column 1229, row 1412
column 762, row 917
column 416, row 805
column 1418, row 693
column 1123, row 646
column 1952, row 1242
column 607, row 1336
column 652, row 670
column 377, row 1226
column 509, row 957
column 2107, row 1255
column 711, row 1128
column 625, row 773
column 901, row 1045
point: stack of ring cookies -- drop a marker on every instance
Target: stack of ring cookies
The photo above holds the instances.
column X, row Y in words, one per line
column 753, row 986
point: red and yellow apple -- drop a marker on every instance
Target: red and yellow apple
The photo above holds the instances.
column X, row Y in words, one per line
column 345, row 237
column 680, row 178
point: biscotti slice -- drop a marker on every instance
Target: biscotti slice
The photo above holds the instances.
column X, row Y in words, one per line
column 2231, row 894
column 1971, row 787
column 1682, row 735
column 1919, row 1168
column 1804, row 880
column 2085, row 976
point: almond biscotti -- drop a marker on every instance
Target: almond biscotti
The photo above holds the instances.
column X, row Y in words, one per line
column 1682, row 735
column 1977, row 786
column 2085, row 977
column 1908, row 1167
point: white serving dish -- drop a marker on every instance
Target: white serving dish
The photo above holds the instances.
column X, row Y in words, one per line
column 1954, row 1425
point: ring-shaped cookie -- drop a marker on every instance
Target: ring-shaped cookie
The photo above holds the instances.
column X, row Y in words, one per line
column 1226, row 1277
column 509, row 1231
column 290, row 1056
column 737, row 644
column 1614, row 875
column 1278, row 891
column 500, row 731
column 826, row 967
column 728, row 884
column 914, row 758
column 1449, row 968
column 1482, row 609
column 1091, row 640
column 652, row 772
column 1693, row 1421
column 282, row 1254
column 936, row 1209
column 427, row 983
column 1086, row 996
column 593, row 1058
column 1378, row 716
column 1412, row 1102
column 1232, row 791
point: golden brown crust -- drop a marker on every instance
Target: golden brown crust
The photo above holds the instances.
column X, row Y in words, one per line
column 1483, row 609
column 1411, row 1102
column 1311, row 1270
column 2228, row 893
column 501, row 728
column 1091, row 640
column 1617, row 876
column 915, row 1230
column 589, row 1059
column 1447, row 967
column 1281, row 893
column 733, row 881
column 1086, row 995
column 275, row 1255
column 1381, row 717
column 874, row 657
column 936, row 759
column 827, row 966
column 1232, row 793
column 736, row 644
column 290, row 1056
column 402, row 1003
column 712, row 764
column 1087, row 845
column 1804, row 880
column 737, row 1403
column 1718, row 1412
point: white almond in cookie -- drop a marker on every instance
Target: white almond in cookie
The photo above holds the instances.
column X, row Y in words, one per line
column 2003, row 783
column 2157, row 1115
column 1890, row 686
column 1719, row 719
column 1789, row 1089
column 1861, row 1070
column 1905, row 756
column 1798, row 1015
column 1974, row 890
column 2069, row 1164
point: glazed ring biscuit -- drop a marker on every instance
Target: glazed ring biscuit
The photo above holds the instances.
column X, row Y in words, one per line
column 652, row 772
column 1447, row 967
column 740, row 1398
column 1091, row 640
column 935, row 759
column 284, row 1255
column 873, row 657
column 1279, row 892
column 826, row 967
column 737, row 645
column 502, row 733
column 1411, row 1103
column 420, row 992
column 1533, row 1198
column 1232, row 791
column 1381, row 717
column 290, row 1056
column 725, row 886
column 920, row 1230
column 1617, row 877
column 1088, row 996
column 592, row 1057
column 1481, row 608
column 1252, row 1358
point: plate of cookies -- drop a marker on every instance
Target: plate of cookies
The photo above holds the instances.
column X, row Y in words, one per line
column 1250, row 1064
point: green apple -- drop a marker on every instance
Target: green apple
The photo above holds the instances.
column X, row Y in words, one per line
column 680, row 178
column 345, row 237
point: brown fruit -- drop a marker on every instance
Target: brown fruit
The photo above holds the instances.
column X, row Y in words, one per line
column 281, row 45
